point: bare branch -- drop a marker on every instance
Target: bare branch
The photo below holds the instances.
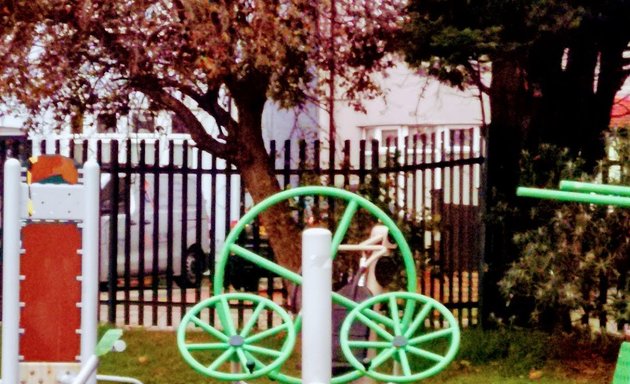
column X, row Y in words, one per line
column 197, row 131
column 475, row 71
column 208, row 101
column 210, row 104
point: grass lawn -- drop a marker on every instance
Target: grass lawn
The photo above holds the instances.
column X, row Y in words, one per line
column 501, row 357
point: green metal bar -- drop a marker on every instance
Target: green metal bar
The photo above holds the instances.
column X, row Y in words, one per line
column 207, row 346
column 431, row 336
column 375, row 327
column 265, row 263
column 404, row 362
column 252, row 320
column 419, row 319
column 381, row 358
column 228, row 324
column 426, row 354
column 210, row 329
column 350, row 305
column 369, row 344
column 604, row 189
column 343, row 226
column 573, row 196
column 262, row 350
column 225, row 356
column 268, row 333
column 242, row 359
column 393, row 309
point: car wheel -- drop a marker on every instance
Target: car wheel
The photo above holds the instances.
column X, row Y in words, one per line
column 193, row 268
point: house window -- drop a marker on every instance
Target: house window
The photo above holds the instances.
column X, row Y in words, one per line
column 106, row 123
column 389, row 137
column 392, row 136
column 142, row 122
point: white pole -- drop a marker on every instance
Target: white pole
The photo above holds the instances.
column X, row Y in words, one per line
column 11, row 272
column 316, row 306
column 88, row 369
column 89, row 264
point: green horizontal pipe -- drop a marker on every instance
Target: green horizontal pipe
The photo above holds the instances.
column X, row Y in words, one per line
column 605, row 189
column 574, row 196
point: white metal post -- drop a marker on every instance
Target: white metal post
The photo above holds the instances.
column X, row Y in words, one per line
column 89, row 264
column 88, row 369
column 11, row 273
column 316, row 306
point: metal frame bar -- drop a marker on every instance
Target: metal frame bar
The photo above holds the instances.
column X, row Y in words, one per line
column 13, row 214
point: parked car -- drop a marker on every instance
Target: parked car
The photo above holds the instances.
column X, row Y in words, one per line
column 188, row 229
column 243, row 274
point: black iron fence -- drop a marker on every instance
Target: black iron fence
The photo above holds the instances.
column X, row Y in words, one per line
column 166, row 208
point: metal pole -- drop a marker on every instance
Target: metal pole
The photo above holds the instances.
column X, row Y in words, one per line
column 89, row 369
column 11, row 272
column 606, row 189
column 316, row 306
column 574, row 196
column 89, row 265
column 332, row 68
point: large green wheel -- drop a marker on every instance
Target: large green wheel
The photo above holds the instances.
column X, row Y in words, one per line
column 420, row 349
column 213, row 351
column 353, row 203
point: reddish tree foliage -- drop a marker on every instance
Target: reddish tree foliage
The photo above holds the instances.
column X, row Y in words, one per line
column 72, row 57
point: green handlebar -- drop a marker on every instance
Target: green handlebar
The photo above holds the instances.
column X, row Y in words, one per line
column 577, row 197
column 604, row 189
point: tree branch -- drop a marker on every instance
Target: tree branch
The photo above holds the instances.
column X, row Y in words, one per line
column 210, row 104
column 477, row 76
column 208, row 101
column 202, row 139
column 152, row 86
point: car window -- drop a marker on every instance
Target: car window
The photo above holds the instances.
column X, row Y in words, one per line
column 107, row 195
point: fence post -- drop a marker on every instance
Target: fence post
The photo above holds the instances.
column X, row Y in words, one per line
column 112, row 273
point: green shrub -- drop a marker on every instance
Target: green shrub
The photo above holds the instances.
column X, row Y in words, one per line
column 574, row 253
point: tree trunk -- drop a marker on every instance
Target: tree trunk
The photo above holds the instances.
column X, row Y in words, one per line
column 576, row 101
column 545, row 104
column 76, row 119
column 509, row 102
column 510, row 105
column 255, row 166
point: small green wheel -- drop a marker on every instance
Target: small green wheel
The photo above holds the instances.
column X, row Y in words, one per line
column 419, row 349
column 213, row 352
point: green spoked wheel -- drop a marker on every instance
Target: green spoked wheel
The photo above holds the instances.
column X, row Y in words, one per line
column 419, row 349
column 214, row 351
column 353, row 203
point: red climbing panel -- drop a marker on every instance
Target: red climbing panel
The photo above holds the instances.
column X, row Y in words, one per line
column 50, row 291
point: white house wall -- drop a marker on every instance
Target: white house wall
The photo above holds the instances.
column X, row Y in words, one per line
column 409, row 99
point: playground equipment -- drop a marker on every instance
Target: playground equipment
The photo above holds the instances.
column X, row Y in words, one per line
column 579, row 192
column 412, row 336
column 50, row 274
column 622, row 370
column 602, row 194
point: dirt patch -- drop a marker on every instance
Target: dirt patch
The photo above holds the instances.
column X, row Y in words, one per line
column 595, row 370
